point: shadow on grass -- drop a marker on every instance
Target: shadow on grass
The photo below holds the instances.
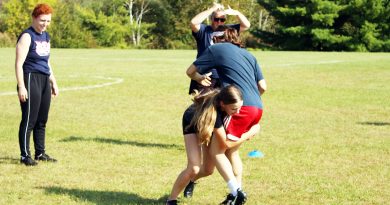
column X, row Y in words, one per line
column 103, row 197
column 375, row 123
column 9, row 160
column 122, row 142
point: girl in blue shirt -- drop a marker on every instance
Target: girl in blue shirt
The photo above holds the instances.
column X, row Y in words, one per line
column 36, row 84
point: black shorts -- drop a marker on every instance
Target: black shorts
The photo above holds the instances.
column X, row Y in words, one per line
column 186, row 121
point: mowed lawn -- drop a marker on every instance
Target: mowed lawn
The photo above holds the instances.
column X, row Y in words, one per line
column 116, row 130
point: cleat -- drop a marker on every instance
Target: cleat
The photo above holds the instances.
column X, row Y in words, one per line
column 189, row 190
column 28, row 161
column 45, row 157
column 171, row 202
column 229, row 200
column 240, row 198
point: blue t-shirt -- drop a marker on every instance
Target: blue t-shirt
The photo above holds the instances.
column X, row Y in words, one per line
column 204, row 40
column 38, row 54
column 235, row 66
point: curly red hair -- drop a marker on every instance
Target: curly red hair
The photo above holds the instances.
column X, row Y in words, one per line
column 41, row 9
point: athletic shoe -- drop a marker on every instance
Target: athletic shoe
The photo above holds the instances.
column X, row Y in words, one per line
column 240, row 198
column 171, row 202
column 229, row 200
column 28, row 161
column 45, row 157
column 189, row 190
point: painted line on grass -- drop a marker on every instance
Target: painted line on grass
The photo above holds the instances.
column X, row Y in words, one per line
column 87, row 87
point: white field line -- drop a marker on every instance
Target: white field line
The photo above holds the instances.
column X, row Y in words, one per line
column 113, row 82
column 120, row 80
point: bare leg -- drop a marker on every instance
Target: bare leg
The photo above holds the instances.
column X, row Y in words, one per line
column 208, row 164
column 235, row 160
column 193, row 150
column 222, row 163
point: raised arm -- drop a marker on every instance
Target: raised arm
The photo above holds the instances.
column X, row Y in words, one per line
column 199, row 18
column 244, row 22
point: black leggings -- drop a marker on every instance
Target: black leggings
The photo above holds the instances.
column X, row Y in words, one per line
column 35, row 113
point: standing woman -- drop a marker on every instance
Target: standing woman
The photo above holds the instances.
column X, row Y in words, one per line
column 36, row 84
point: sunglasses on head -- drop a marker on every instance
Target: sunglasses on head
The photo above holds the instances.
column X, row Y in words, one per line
column 219, row 19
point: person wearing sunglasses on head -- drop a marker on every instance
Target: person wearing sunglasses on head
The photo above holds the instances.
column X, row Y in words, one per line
column 203, row 33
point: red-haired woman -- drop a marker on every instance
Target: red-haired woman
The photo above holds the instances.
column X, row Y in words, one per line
column 36, row 84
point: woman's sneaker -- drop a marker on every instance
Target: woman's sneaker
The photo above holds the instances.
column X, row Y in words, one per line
column 45, row 157
column 189, row 190
column 229, row 200
column 240, row 198
column 28, row 161
column 171, row 202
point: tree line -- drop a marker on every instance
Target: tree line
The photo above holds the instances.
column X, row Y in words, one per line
column 318, row 25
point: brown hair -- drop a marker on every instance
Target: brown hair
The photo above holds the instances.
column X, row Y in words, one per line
column 206, row 109
column 230, row 35
column 41, row 9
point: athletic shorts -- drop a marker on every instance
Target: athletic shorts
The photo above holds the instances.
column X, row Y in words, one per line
column 241, row 122
column 187, row 117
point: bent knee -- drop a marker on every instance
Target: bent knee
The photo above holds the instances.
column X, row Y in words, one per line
column 209, row 172
column 193, row 170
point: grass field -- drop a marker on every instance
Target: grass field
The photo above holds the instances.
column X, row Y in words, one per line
column 116, row 130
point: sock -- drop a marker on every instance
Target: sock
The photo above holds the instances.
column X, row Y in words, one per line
column 233, row 186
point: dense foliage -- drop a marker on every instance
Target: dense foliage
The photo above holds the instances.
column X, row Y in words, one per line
column 350, row 25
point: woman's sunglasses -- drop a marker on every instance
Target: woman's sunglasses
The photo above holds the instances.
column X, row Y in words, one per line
column 219, row 19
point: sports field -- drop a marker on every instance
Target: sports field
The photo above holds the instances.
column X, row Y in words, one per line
column 116, row 130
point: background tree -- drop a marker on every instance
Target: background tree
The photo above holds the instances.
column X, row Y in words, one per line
column 356, row 25
column 182, row 13
column 161, row 17
column 329, row 25
column 136, row 11
column 67, row 30
column 15, row 16
column 368, row 23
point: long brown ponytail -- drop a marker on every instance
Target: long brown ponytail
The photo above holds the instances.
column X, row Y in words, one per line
column 206, row 109
column 205, row 114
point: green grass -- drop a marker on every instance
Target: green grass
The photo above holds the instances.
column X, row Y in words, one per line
column 325, row 131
